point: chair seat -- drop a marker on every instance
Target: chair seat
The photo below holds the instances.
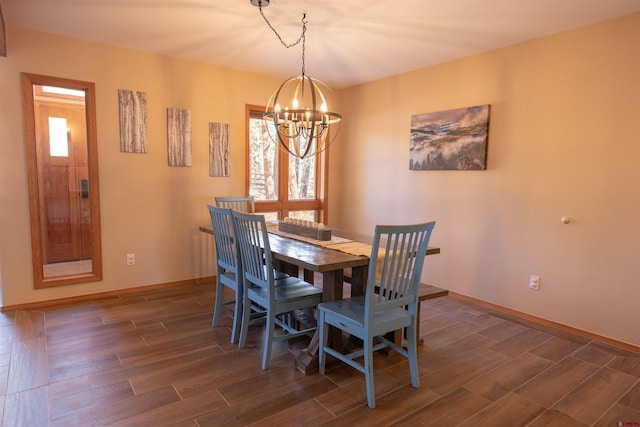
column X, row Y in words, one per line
column 348, row 314
column 279, row 275
column 289, row 289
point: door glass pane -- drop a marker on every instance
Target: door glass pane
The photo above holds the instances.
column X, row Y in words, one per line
column 263, row 162
column 58, row 141
column 63, row 91
column 302, row 178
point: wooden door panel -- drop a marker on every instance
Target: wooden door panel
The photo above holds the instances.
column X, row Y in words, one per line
column 67, row 212
column 58, row 213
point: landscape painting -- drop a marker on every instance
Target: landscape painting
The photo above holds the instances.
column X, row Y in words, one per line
column 450, row 140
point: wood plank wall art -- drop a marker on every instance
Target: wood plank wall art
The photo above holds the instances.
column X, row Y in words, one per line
column 450, row 140
column 133, row 121
column 219, row 164
column 179, row 136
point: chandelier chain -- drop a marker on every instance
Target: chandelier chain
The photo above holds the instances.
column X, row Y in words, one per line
column 304, row 30
column 302, row 37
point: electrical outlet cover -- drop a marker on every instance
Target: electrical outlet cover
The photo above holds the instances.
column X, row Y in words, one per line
column 534, row 281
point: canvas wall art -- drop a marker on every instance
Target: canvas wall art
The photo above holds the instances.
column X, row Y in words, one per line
column 219, row 149
column 133, row 121
column 450, row 140
column 179, row 137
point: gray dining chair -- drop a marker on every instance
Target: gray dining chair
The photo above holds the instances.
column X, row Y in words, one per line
column 240, row 204
column 279, row 299
column 390, row 302
column 228, row 263
column 246, row 205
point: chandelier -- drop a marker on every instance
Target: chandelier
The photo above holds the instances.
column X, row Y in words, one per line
column 298, row 108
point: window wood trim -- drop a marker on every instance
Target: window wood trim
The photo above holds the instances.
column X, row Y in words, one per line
column 283, row 203
column 3, row 34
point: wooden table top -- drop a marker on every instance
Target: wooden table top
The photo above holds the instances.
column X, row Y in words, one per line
column 308, row 256
column 313, row 257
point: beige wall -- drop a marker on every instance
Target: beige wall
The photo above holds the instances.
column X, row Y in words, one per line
column 148, row 208
column 564, row 140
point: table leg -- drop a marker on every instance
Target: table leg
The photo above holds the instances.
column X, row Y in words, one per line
column 359, row 276
column 285, row 267
column 308, row 276
column 307, row 360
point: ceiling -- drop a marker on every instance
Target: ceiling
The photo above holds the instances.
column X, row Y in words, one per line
column 347, row 41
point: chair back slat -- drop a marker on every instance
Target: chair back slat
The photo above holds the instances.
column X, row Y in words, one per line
column 253, row 242
column 397, row 260
column 227, row 256
column 240, row 204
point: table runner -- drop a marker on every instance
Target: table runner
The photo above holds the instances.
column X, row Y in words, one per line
column 337, row 243
column 353, row 248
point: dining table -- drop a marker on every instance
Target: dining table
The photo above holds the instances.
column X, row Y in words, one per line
column 328, row 258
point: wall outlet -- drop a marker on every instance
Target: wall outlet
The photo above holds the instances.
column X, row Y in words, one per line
column 534, row 282
column 131, row 259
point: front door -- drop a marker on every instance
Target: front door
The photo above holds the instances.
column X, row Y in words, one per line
column 65, row 199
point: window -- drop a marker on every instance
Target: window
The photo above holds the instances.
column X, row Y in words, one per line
column 58, row 137
column 283, row 185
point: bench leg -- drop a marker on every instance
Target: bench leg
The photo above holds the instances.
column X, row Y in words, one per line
column 420, row 340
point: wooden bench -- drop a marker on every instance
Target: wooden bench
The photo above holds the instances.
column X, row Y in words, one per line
column 426, row 292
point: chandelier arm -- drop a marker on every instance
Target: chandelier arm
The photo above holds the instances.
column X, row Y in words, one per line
column 287, row 145
column 299, row 83
column 306, row 151
column 324, row 100
column 287, row 149
column 296, row 148
column 312, row 123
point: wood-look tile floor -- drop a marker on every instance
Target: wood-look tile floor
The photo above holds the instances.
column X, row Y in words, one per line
column 153, row 359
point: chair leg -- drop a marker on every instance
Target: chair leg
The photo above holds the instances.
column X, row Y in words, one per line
column 368, row 371
column 237, row 316
column 412, row 343
column 217, row 307
column 323, row 334
column 246, row 315
column 268, row 340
